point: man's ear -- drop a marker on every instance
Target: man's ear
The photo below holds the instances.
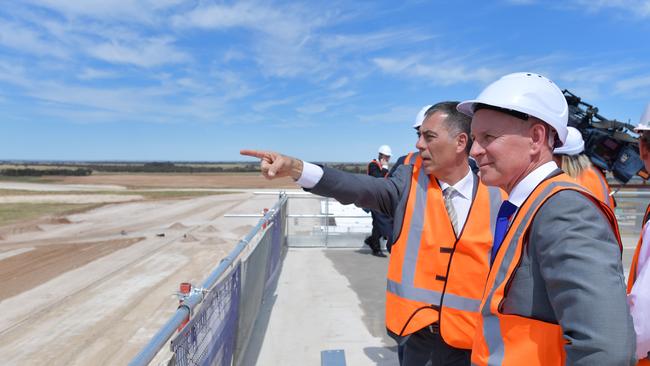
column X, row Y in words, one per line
column 461, row 141
column 538, row 134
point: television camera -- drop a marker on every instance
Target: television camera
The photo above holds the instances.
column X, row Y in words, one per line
column 611, row 145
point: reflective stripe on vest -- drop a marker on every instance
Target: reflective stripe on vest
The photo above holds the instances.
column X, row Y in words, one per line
column 529, row 341
column 420, row 274
column 631, row 278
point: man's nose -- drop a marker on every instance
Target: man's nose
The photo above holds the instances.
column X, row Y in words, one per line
column 476, row 149
column 419, row 144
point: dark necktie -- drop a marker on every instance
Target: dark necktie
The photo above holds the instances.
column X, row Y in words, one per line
column 503, row 219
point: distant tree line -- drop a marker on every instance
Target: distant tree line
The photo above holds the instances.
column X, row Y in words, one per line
column 155, row 167
column 30, row 172
column 166, row 167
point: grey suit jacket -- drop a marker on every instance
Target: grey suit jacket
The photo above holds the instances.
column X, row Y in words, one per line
column 386, row 195
column 571, row 273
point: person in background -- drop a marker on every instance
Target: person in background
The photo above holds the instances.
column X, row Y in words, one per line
column 555, row 294
column 442, row 217
column 381, row 224
column 419, row 118
column 569, row 157
column 638, row 285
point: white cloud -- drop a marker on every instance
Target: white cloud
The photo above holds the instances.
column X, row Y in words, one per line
column 27, row 40
column 637, row 8
column 149, row 53
column 367, row 42
column 267, row 104
column 339, row 83
column 93, row 74
column 521, row 2
column 439, row 72
column 393, row 115
column 313, row 108
column 126, row 11
column 634, row 84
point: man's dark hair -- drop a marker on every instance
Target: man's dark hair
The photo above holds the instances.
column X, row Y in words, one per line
column 455, row 121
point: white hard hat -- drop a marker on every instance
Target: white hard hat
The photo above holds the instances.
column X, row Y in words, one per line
column 385, row 150
column 573, row 145
column 644, row 122
column 527, row 93
column 421, row 114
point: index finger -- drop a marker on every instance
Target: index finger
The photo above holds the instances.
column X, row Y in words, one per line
column 253, row 153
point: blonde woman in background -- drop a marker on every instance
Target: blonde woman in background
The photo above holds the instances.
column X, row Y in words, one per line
column 577, row 165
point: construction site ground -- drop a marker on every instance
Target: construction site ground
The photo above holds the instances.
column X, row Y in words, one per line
column 91, row 288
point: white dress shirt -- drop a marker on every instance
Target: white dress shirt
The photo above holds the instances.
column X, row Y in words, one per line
column 311, row 174
column 525, row 187
column 462, row 201
column 639, row 297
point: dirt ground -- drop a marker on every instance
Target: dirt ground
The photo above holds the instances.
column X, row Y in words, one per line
column 91, row 288
column 225, row 180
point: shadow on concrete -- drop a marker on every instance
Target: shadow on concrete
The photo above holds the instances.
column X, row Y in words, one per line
column 382, row 356
column 367, row 276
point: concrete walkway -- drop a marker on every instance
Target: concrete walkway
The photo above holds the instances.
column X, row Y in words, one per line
column 326, row 299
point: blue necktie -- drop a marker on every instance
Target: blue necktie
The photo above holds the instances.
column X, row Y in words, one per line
column 503, row 219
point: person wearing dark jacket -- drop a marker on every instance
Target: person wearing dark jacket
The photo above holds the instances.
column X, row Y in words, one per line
column 381, row 224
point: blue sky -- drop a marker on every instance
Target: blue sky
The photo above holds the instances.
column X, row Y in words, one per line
column 323, row 81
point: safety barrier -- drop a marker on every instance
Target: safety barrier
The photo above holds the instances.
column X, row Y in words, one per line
column 229, row 298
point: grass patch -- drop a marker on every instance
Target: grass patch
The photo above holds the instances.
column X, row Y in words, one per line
column 47, row 179
column 14, row 212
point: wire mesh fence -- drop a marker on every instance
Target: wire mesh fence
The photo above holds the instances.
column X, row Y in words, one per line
column 230, row 299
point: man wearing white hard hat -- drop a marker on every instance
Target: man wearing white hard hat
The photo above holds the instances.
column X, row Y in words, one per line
column 378, row 168
column 442, row 216
column 638, row 285
column 554, row 294
column 577, row 165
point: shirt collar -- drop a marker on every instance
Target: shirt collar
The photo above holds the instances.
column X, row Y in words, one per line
column 465, row 186
column 525, row 187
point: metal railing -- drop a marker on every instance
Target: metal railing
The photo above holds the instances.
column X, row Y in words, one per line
column 273, row 219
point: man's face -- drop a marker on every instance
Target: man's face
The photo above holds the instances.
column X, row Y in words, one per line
column 501, row 148
column 439, row 149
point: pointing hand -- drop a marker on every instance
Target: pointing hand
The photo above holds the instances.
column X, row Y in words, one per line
column 275, row 165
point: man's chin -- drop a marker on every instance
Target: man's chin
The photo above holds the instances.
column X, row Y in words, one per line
column 487, row 178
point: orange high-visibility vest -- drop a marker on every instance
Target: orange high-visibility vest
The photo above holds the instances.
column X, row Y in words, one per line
column 633, row 269
column 432, row 275
column 595, row 182
column 635, row 260
column 503, row 339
